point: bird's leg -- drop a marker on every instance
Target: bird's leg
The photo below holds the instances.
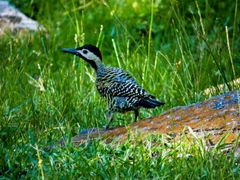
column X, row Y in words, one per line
column 110, row 118
column 136, row 112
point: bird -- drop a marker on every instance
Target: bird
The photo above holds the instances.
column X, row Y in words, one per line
column 117, row 86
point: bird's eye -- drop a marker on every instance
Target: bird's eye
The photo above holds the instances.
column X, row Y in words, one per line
column 85, row 51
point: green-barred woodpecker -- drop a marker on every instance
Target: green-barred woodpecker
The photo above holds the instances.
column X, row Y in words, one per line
column 116, row 85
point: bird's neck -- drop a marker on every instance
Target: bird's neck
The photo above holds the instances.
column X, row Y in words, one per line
column 96, row 65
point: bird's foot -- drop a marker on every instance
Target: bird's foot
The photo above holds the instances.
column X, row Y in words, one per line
column 106, row 127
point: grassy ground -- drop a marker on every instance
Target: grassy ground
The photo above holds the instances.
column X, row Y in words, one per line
column 174, row 49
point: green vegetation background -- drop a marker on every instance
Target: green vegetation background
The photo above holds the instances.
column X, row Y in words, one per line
column 175, row 49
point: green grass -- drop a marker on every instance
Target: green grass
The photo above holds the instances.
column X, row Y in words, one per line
column 174, row 49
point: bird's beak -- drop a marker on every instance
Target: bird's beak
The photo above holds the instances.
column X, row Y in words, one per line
column 70, row 51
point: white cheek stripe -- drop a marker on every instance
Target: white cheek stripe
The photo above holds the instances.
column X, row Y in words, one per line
column 89, row 55
column 92, row 56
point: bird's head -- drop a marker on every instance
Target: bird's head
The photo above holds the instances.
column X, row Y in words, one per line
column 88, row 52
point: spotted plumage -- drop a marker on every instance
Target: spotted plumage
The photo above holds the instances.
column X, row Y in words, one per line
column 116, row 85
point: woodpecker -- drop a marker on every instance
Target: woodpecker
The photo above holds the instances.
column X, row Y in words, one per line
column 120, row 89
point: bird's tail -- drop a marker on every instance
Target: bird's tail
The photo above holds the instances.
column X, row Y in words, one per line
column 150, row 102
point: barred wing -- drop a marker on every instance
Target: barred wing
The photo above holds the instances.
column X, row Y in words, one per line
column 117, row 82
